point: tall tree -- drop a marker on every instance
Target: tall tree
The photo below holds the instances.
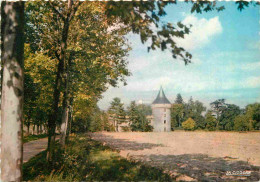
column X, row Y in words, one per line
column 12, row 33
column 117, row 112
column 38, row 86
column 226, row 120
column 137, row 116
column 218, row 107
column 52, row 22
column 177, row 113
column 178, row 99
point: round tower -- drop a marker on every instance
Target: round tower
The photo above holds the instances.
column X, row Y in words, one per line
column 161, row 108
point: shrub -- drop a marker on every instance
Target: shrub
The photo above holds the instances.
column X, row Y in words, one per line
column 189, row 124
column 125, row 128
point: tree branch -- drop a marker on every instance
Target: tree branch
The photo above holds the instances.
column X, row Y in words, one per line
column 56, row 11
column 76, row 6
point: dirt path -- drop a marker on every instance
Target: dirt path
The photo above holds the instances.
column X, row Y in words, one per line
column 188, row 156
column 30, row 149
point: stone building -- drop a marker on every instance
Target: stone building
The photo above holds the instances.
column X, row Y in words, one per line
column 161, row 109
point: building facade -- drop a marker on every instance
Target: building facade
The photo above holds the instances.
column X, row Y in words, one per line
column 161, row 109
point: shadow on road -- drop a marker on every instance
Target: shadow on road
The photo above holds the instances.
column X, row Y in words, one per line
column 185, row 167
column 123, row 144
column 201, row 167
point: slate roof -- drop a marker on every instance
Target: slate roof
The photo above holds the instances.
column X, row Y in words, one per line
column 161, row 98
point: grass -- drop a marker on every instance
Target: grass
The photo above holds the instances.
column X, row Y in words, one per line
column 88, row 160
column 33, row 137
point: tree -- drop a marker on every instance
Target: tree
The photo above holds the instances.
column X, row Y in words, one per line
column 38, row 87
column 93, row 65
column 188, row 109
column 226, row 120
column 145, row 109
column 137, row 117
column 218, row 107
column 194, row 110
column 178, row 99
column 12, row 33
column 198, row 109
column 253, row 113
column 116, row 112
column 31, row 93
column 177, row 113
column 242, row 123
column 211, row 121
column 189, row 124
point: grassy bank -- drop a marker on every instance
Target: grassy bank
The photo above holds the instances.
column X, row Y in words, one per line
column 88, row 160
column 33, row 137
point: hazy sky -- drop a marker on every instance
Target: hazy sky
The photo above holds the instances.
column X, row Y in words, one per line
column 226, row 60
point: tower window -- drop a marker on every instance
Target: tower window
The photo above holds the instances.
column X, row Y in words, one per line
column 164, row 121
column 164, row 115
column 164, row 109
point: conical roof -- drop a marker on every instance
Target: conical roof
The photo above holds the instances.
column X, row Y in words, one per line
column 161, row 98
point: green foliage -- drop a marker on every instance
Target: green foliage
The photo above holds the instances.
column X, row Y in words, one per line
column 211, row 121
column 178, row 99
column 200, row 6
column 218, row 107
column 194, row 110
column 99, row 121
column 189, row 124
column 249, row 120
column 253, row 112
column 117, row 112
column 242, row 123
column 137, row 116
column 88, row 160
column 38, row 88
column 145, row 109
column 177, row 113
column 227, row 117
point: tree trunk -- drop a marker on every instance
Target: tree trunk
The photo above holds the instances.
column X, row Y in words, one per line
column 12, row 90
column 38, row 127
column 57, row 90
column 64, row 125
column 70, row 120
column 65, row 111
column 28, row 128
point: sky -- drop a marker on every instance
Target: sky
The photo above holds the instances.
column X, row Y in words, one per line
column 226, row 60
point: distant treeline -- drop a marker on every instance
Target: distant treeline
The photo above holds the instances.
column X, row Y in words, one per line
column 192, row 115
column 221, row 116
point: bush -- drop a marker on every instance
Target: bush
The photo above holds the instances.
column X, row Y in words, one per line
column 189, row 124
column 125, row 128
